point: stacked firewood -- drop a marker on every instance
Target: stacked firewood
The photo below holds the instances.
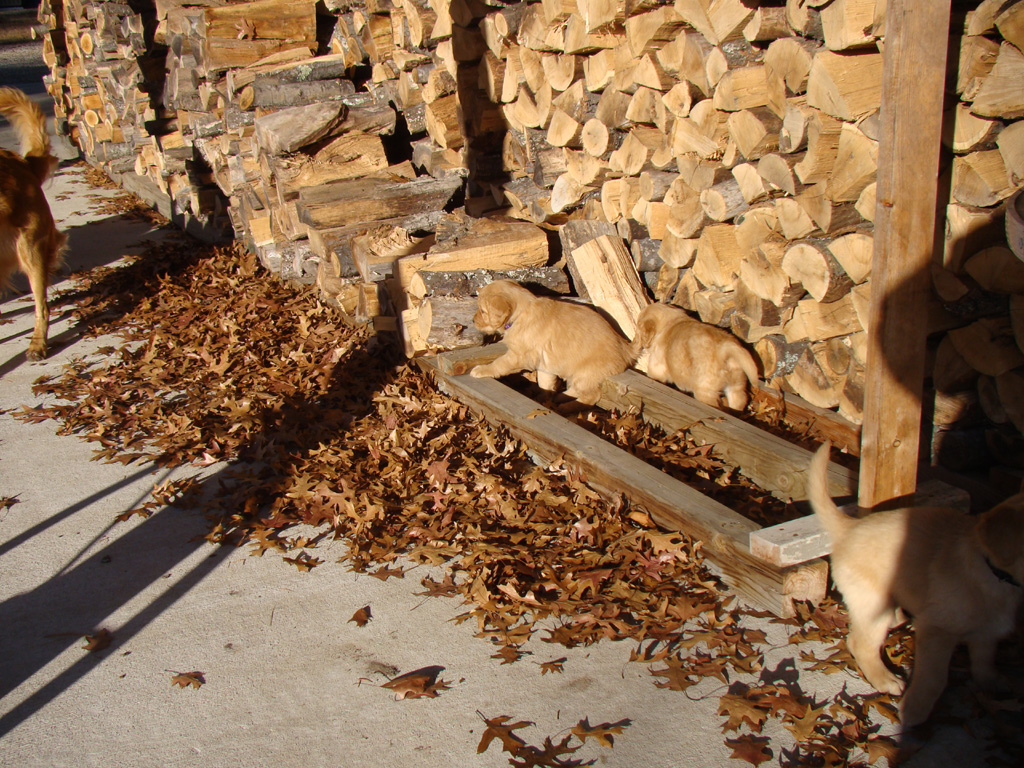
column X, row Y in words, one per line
column 719, row 155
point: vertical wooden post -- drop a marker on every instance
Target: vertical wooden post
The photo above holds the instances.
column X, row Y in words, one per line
column 914, row 72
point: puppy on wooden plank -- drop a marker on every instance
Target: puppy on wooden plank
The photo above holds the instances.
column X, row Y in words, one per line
column 557, row 339
column 696, row 357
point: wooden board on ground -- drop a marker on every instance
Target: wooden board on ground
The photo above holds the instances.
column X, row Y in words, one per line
column 671, row 503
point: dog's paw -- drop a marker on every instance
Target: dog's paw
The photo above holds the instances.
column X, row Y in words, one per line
column 36, row 353
column 481, row 372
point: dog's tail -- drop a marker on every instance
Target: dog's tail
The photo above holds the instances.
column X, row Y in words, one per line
column 833, row 520
column 743, row 360
column 30, row 123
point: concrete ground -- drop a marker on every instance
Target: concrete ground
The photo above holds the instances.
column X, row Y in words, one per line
column 289, row 680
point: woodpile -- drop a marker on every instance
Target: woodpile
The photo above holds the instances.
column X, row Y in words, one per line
column 719, row 155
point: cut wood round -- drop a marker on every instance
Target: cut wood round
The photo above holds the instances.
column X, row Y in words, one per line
column 679, row 98
column 567, row 192
column 854, row 253
column 996, row 269
column 1010, row 387
column 778, row 357
column 948, row 408
column 1011, row 146
column 714, row 307
column 809, row 381
column 811, row 265
column 752, row 186
column 980, row 179
column 595, row 137
column 442, row 122
column 1000, row 94
column 990, row 401
column 1017, row 319
column 723, row 201
column 654, row 184
column 755, row 131
column 789, row 59
column 766, row 24
column 563, row 131
column 844, row 86
column 951, row 372
column 963, row 131
column 793, row 134
column 777, row 170
column 794, row 222
column 865, row 204
column 562, row 69
column 988, row 345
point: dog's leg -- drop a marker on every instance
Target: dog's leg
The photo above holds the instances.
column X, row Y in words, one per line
column 983, row 661
column 870, row 622
column 933, row 651
column 501, row 366
column 34, row 265
column 547, row 381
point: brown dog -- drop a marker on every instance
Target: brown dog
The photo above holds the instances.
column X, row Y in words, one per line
column 958, row 576
column 29, row 241
column 557, row 339
column 694, row 356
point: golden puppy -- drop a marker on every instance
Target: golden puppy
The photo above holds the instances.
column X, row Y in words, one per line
column 557, row 339
column 959, row 576
column 29, row 241
column 694, row 356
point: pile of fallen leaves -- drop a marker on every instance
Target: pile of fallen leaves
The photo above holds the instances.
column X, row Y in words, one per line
column 326, row 430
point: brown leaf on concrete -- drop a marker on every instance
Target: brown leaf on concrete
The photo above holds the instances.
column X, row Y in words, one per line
column 362, row 616
column 419, row 684
column 98, row 641
column 504, row 731
column 186, row 679
column 603, row 734
column 752, row 749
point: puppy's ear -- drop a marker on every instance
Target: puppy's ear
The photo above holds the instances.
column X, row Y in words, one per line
column 1001, row 532
column 645, row 332
column 501, row 307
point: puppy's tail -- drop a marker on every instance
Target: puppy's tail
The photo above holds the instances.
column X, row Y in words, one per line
column 833, row 520
column 743, row 360
column 30, row 123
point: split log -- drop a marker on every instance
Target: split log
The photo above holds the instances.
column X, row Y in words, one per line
column 988, row 345
column 1000, row 94
column 817, row 270
column 373, row 199
column 605, row 268
column 845, row 87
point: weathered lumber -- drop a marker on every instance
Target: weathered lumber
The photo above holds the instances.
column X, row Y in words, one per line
column 359, row 201
column 904, row 242
column 609, row 469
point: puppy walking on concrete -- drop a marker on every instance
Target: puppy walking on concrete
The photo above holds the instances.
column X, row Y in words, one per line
column 959, row 576
column 29, row 241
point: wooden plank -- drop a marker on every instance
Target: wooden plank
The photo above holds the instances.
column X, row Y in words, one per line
column 905, row 239
column 773, row 463
column 671, row 503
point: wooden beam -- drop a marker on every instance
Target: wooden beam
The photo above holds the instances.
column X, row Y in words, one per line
column 914, row 72
column 671, row 503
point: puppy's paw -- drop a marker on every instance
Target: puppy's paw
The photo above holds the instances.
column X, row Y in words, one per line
column 482, row 372
column 886, row 682
column 36, row 352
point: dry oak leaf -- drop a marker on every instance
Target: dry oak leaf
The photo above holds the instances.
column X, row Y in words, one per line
column 362, row 616
column 602, row 733
column 99, row 641
column 185, row 679
column 753, row 749
column 740, row 708
column 802, row 727
column 500, row 728
column 304, row 561
column 555, row 665
column 509, row 654
column 419, row 684
column 548, row 757
column 883, row 746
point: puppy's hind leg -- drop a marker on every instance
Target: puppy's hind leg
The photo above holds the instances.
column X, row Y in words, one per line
column 547, row 381
column 870, row 622
column 933, row 651
column 34, row 265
